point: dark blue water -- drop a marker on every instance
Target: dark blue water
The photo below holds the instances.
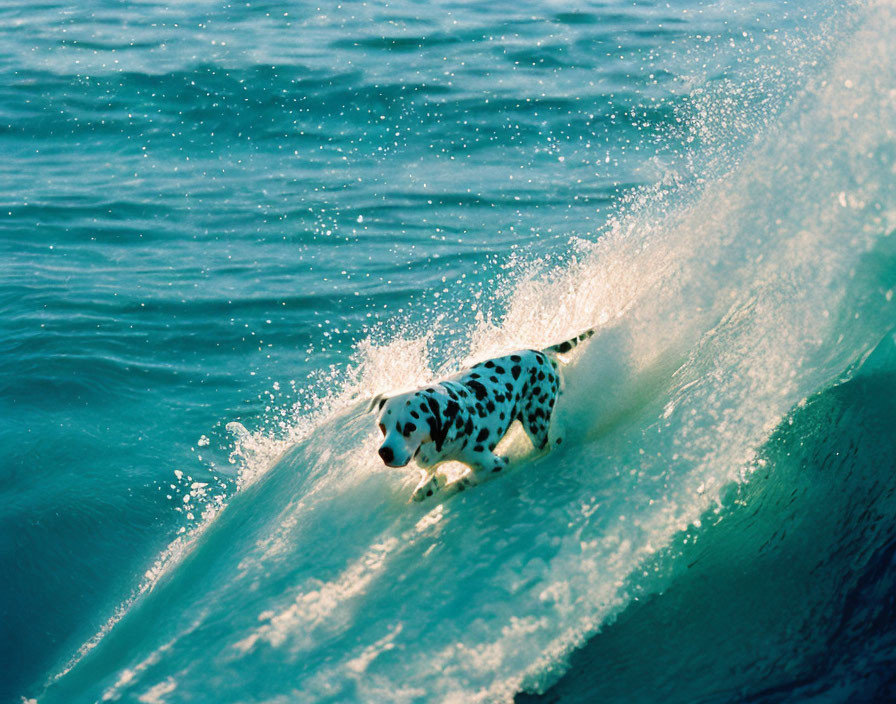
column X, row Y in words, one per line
column 258, row 214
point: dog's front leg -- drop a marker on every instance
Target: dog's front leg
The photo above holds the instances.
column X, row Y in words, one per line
column 484, row 466
column 428, row 486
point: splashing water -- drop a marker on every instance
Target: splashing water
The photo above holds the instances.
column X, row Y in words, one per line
column 725, row 297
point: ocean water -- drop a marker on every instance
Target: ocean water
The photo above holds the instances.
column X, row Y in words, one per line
column 225, row 225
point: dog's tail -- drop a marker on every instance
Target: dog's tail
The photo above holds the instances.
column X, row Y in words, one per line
column 567, row 345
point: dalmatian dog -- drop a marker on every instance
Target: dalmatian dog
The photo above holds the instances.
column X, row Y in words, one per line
column 464, row 417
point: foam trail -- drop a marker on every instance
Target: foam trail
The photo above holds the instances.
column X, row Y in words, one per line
column 318, row 582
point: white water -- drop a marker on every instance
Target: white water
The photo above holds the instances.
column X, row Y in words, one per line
column 719, row 312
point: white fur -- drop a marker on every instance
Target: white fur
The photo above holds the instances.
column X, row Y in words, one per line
column 464, row 417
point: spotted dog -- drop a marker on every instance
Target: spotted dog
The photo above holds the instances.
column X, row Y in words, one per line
column 464, row 417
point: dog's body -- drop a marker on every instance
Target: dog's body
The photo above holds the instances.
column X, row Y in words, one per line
column 464, row 417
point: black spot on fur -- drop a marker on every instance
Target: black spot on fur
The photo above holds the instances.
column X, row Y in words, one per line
column 478, row 389
column 515, row 357
column 563, row 347
column 515, row 371
column 508, row 386
column 469, row 428
column 436, row 430
column 477, row 448
column 414, row 414
column 483, row 434
column 489, row 364
column 382, row 403
column 499, row 369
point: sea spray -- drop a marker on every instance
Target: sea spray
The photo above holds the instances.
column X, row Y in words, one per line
column 725, row 298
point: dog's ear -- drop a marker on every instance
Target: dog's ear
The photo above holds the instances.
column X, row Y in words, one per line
column 377, row 402
column 437, row 430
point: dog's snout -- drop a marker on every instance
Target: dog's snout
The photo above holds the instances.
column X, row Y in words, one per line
column 387, row 454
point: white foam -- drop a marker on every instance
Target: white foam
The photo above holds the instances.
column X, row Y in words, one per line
column 720, row 309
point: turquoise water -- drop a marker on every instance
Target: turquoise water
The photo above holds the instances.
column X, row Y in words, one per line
column 224, row 226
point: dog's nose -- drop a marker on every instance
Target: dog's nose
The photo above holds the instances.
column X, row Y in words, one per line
column 387, row 454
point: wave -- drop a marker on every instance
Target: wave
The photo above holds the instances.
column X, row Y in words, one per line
column 783, row 590
column 723, row 304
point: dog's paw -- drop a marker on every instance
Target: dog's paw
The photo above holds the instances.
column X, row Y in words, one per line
column 425, row 489
column 464, row 482
column 500, row 464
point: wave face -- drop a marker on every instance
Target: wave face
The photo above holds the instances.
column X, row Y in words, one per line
column 205, row 205
column 784, row 591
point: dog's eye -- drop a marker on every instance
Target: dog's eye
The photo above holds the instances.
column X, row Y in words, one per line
column 382, row 429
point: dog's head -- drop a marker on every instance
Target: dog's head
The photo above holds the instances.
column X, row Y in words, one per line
column 407, row 421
